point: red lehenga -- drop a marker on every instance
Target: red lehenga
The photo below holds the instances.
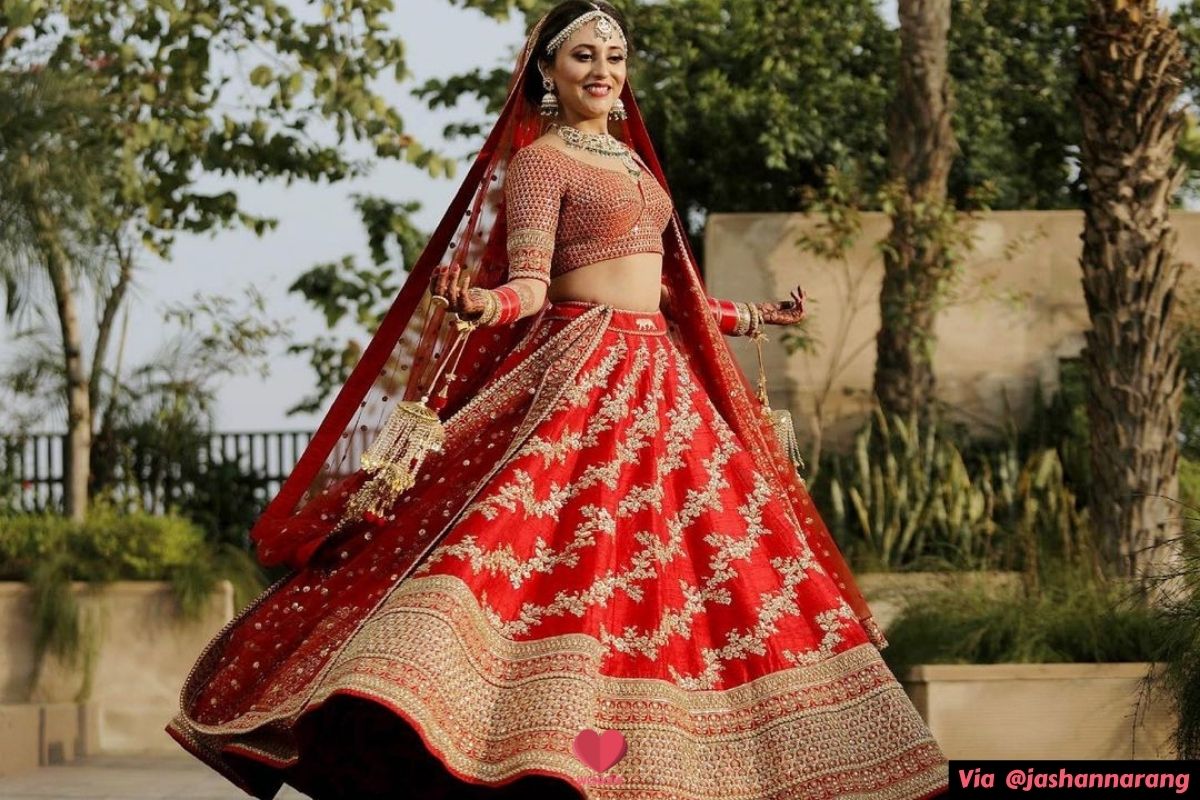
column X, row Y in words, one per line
column 608, row 540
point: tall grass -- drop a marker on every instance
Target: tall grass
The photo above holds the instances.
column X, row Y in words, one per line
column 1178, row 609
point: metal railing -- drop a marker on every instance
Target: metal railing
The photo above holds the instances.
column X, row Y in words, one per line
column 32, row 467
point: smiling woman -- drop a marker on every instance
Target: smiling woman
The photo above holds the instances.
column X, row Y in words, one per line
column 607, row 576
column 590, row 82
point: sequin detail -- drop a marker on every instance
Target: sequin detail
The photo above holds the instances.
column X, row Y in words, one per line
column 621, row 565
column 564, row 213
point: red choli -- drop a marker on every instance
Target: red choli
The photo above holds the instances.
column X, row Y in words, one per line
column 564, row 213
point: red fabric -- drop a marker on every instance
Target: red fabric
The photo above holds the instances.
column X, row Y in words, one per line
column 626, row 513
column 401, row 358
column 704, row 456
column 529, row 547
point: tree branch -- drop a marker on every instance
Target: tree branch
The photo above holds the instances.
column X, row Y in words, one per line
column 112, row 305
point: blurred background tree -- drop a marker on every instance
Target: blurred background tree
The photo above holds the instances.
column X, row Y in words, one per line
column 163, row 110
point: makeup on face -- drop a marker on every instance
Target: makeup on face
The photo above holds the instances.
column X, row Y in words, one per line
column 600, row 83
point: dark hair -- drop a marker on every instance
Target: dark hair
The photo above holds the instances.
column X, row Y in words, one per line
column 558, row 18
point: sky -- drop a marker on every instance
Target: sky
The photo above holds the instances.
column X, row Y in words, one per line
column 318, row 222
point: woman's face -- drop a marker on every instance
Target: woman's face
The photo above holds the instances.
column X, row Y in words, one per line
column 585, row 60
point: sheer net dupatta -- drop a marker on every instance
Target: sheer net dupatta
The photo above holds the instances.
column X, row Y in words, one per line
column 402, row 356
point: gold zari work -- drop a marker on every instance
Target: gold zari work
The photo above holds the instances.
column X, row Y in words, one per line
column 620, row 565
column 564, row 213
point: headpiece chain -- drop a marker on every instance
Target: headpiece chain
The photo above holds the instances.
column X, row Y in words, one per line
column 605, row 25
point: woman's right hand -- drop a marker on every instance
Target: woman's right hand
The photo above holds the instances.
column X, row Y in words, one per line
column 448, row 282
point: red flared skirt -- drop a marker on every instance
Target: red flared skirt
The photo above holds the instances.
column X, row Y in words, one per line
column 590, row 592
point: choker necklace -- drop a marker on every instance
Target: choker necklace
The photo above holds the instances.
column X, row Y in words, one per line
column 604, row 144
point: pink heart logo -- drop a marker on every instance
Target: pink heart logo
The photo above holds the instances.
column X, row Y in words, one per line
column 599, row 750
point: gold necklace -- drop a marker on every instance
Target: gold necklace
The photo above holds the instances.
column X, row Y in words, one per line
column 604, row 144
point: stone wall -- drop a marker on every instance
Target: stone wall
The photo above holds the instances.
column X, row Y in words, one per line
column 1018, row 311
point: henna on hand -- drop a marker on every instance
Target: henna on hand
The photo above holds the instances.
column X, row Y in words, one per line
column 786, row 312
column 525, row 294
column 451, row 283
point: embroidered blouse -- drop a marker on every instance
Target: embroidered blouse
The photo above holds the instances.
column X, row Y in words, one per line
column 564, row 213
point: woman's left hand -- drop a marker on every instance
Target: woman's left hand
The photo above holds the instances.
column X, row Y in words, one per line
column 787, row 312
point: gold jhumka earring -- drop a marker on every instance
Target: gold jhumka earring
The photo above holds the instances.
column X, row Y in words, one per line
column 549, row 106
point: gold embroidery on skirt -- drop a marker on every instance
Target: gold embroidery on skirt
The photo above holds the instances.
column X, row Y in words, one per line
column 555, row 362
column 514, row 706
column 494, row 708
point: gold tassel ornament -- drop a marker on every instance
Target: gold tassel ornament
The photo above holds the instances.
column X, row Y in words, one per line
column 781, row 419
column 394, row 459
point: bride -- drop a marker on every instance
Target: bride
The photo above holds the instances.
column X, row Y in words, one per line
column 604, row 577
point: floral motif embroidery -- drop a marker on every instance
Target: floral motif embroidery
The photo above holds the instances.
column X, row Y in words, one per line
column 656, row 588
column 496, row 708
column 829, row 622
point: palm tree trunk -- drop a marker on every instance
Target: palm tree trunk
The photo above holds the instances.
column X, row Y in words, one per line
column 1132, row 70
column 916, row 259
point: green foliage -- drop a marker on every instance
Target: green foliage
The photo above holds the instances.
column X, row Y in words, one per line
column 1179, row 611
column 909, row 496
column 54, row 163
column 107, row 546
column 154, row 449
column 1186, row 20
column 49, row 551
column 177, row 93
column 1189, row 483
column 1189, row 357
column 1072, row 617
column 177, row 114
column 1062, row 423
column 217, row 339
column 341, row 289
column 58, row 626
column 1013, row 65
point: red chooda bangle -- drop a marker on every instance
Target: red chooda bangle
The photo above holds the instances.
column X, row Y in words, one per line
column 510, row 304
column 729, row 317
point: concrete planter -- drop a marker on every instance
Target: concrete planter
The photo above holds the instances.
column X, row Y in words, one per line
column 142, row 653
column 1035, row 711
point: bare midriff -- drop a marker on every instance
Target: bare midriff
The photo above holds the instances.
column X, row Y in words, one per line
column 631, row 282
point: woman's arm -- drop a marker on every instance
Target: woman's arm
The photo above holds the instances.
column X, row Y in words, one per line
column 732, row 317
column 533, row 189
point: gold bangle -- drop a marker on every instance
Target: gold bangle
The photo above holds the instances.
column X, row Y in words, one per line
column 745, row 319
column 491, row 312
column 756, row 320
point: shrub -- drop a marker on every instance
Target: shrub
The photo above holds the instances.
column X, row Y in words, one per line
column 1069, row 617
column 49, row 551
column 910, row 496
